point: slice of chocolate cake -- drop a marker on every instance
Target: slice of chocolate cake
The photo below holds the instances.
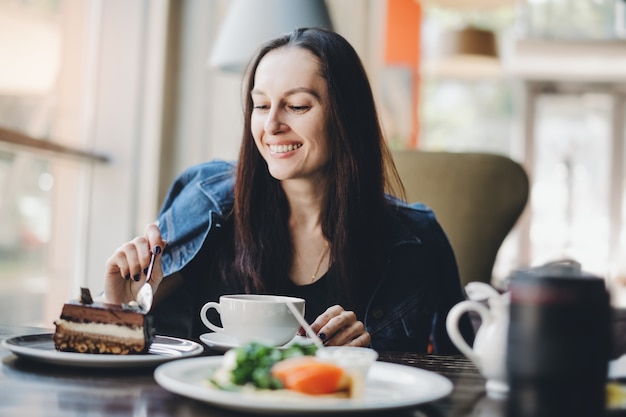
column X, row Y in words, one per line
column 93, row 327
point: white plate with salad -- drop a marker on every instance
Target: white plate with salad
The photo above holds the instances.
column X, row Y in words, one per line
column 387, row 386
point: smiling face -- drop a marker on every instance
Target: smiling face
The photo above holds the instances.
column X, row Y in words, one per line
column 288, row 120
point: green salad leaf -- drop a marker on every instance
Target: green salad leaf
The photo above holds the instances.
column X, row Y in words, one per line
column 254, row 363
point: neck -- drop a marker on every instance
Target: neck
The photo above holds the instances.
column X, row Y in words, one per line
column 310, row 247
column 305, row 205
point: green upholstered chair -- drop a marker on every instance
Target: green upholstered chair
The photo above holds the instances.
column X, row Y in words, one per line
column 477, row 198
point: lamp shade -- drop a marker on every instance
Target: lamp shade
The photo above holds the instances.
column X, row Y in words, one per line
column 248, row 23
column 468, row 53
column 471, row 41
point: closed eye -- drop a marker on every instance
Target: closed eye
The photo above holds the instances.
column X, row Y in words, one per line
column 299, row 109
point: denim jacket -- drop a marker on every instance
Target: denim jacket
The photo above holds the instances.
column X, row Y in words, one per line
column 407, row 310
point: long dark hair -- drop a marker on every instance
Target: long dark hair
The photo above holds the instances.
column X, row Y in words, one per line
column 355, row 219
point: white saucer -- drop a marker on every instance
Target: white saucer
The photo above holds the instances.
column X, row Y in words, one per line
column 223, row 342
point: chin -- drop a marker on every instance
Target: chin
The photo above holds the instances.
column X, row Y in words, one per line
column 279, row 174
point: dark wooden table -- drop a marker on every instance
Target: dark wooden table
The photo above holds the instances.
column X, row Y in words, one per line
column 29, row 388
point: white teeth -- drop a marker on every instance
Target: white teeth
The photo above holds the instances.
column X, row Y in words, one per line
column 284, row 148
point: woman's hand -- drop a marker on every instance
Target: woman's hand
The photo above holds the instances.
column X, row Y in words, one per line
column 126, row 269
column 337, row 327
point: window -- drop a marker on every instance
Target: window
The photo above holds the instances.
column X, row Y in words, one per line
column 90, row 79
column 33, row 100
column 571, row 198
column 558, row 122
column 585, row 19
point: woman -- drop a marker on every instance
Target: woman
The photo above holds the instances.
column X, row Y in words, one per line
column 304, row 212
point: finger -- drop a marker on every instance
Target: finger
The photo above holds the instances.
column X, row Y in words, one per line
column 138, row 255
column 127, row 258
column 363, row 340
column 323, row 319
column 346, row 334
column 338, row 323
column 119, row 282
column 118, row 265
column 153, row 235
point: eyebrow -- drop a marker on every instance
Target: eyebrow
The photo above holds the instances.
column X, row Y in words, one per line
column 292, row 92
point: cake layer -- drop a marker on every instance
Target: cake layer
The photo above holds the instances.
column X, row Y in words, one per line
column 112, row 339
column 102, row 313
column 103, row 330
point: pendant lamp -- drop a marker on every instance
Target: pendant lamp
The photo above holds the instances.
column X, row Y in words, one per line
column 467, row 53
column 248, row 23
column 471, row 4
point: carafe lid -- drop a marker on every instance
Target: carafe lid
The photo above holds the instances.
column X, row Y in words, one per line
column 557, row 282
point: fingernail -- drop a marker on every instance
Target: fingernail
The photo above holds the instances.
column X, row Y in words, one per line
column 145, row 271
column 322, row 336
column 136, row 277
column 127, row 276
column 157, row 249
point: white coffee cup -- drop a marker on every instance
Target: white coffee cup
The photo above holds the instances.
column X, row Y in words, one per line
column 262, row 318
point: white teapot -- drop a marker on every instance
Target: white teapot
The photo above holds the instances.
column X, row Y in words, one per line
column 489, row 350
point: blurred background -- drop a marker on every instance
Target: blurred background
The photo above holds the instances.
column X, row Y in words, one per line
column 104, row 102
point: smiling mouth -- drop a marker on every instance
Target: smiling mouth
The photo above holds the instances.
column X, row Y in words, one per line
column 284, row 148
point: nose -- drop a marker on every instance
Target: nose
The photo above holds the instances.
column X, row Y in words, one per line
column 273, row 123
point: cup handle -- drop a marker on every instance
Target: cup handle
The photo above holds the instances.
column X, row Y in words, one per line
column 452, row 325
column 205, row 320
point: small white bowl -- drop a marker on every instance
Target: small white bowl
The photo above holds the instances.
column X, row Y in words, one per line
column 351, row 358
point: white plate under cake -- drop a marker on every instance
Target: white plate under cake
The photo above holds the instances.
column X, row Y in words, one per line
column 40, row 348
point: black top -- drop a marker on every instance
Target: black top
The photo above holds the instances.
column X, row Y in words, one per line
column 315, row 295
